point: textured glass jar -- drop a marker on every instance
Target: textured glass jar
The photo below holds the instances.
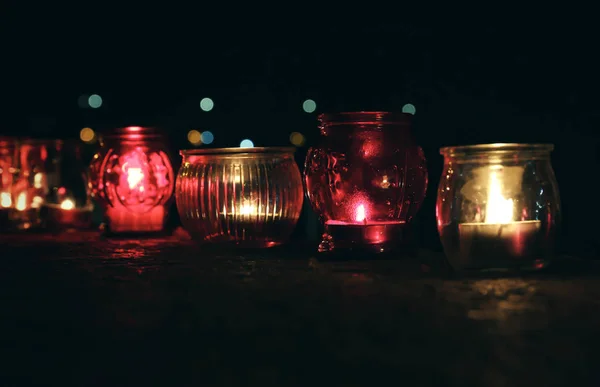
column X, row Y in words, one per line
column 30, row 181
column 498, row 206
column 68, row 203
column 8, row 147
column 249, row 197
column 366, row 179
column 133, row 180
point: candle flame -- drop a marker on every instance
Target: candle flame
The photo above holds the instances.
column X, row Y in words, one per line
column 248, row 209
column 67, row 204
column 134, row 177
column 360, row 215
column 5, row 199
column 498, row 209
column 21, row 204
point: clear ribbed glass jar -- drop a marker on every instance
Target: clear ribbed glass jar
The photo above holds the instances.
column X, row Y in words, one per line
column 30, row 186
column 498, row 206
column 248, row 197
column 366, row 179
column 132, row 178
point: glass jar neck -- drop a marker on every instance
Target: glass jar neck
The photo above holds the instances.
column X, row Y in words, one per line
column 356, row 122
column 496, row 153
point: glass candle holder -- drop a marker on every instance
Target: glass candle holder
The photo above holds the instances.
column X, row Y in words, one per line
column 68, row 204
column 133, row 180
column 248, row 197
column 30, row 182
column 8, row 147
column 498, row 206
column 366, row 179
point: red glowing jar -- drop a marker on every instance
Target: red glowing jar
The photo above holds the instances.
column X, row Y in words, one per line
column 366, row 179
column 132, row 178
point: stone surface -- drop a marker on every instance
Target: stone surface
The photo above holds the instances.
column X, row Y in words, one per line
column 80, row 309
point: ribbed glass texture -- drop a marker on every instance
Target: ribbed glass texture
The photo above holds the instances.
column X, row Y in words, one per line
column 247, row 197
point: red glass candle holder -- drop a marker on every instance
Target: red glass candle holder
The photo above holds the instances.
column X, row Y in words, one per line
column 132, row 178
column 366, row 179
column 8, row 147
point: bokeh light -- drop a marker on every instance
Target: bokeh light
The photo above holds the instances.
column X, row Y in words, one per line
column 297, row 139
column 246, row 144
column 95, row 101
column 409, row 108
column 206, row 104
column 207, row 137
column 309, row 106
column 87, row 135
column 194, row 137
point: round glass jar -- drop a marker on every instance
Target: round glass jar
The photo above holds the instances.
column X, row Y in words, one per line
column 8, row 147
column 498, row 206
column 366, row 179
column 248, row 197
column 132, row 178
column 32, row 174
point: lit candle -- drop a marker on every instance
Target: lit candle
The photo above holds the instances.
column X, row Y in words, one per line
column 5, row 200
column 363, row 230
column 66, row 215
column 499, row 234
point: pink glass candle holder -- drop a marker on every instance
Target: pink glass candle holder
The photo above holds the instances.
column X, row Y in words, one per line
column 243, row 197
column 132, row 178
column 498, row 207
column 366, row 179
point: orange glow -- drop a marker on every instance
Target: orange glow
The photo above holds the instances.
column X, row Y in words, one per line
column 21, row 204
column 360, row 213
column 5, row 199
column 134, row 177
column 498, row 209
column 67, row 204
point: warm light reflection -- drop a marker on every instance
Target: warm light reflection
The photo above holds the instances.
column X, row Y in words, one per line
column 498, row 209
column 67, row 204
column 360, row 215
column 21, row 204
column 5, row 199
column 248, row 209
column 38, row 180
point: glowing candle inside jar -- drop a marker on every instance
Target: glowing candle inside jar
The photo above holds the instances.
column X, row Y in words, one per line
column 67, row 204
column 21, row 204
column 362, row 229
column 5, row 199
column 499, row 234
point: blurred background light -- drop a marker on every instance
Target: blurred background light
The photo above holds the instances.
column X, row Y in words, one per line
column 194, row 137
column 206, row 104
column 246, row 144
column 87, row 135
column 95, row 101
column 207, row 137
column 297, row 139
column 309, row 106
column 409, row 108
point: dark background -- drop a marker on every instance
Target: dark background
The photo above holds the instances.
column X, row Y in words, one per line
column 473, row 77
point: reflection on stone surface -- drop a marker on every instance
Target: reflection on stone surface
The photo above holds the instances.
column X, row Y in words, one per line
column 167, row 307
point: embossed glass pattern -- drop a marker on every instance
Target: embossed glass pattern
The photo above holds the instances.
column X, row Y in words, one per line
column 366, row 179
column 249, row 197
column 133, row 179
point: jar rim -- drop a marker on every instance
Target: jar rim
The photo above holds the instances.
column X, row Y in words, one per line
column 495, row 148
column 133, row 132
column 229, row 151
column 362, row 117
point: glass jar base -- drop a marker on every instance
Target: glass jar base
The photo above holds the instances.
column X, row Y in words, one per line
column 504, row 267
column 354, row 240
